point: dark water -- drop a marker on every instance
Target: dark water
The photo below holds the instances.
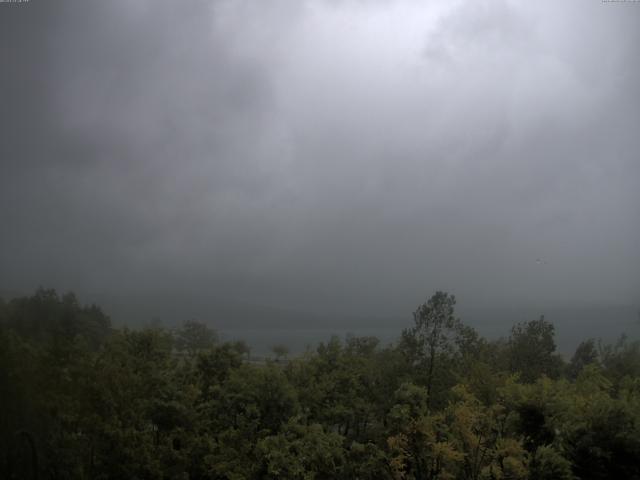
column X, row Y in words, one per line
column 572, row 326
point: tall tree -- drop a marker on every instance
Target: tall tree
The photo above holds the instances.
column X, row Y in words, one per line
column 585, row 354
column 532, row 350
column 193, row 337
column 433, row 334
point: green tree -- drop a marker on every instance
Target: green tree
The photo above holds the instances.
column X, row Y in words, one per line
column 193, row 337
column 214, row 366
column 548, row 464
column 121, row 403
column 242, row 348
column 621, row 359
column 420, row 445
column 433, row 336
column 280, row 351
column 302, row 452
column 585, row 354
column 532, row 350
column 46, row 317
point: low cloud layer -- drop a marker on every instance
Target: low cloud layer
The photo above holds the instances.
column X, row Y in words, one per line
column 325, row 156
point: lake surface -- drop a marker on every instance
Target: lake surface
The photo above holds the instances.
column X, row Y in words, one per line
column 573, row 325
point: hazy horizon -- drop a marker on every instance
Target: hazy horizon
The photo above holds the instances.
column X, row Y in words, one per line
column 299, row 330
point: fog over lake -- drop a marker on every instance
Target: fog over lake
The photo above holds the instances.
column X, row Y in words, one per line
column 324, row 164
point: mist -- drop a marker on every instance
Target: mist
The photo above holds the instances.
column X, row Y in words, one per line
column 244, row 162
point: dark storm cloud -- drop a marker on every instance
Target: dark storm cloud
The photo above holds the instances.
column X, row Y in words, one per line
column 139, row 105
column 327, row 156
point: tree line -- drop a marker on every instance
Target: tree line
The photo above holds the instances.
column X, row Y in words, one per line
column 80, row 399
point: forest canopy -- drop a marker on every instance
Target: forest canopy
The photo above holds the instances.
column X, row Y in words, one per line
column 84, row 400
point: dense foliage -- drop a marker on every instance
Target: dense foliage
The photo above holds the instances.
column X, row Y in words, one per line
column 82, row 400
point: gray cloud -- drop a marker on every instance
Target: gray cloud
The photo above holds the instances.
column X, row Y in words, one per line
column 345, row 157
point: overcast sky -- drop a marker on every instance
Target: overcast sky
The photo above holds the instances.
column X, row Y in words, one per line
column 329, row 156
